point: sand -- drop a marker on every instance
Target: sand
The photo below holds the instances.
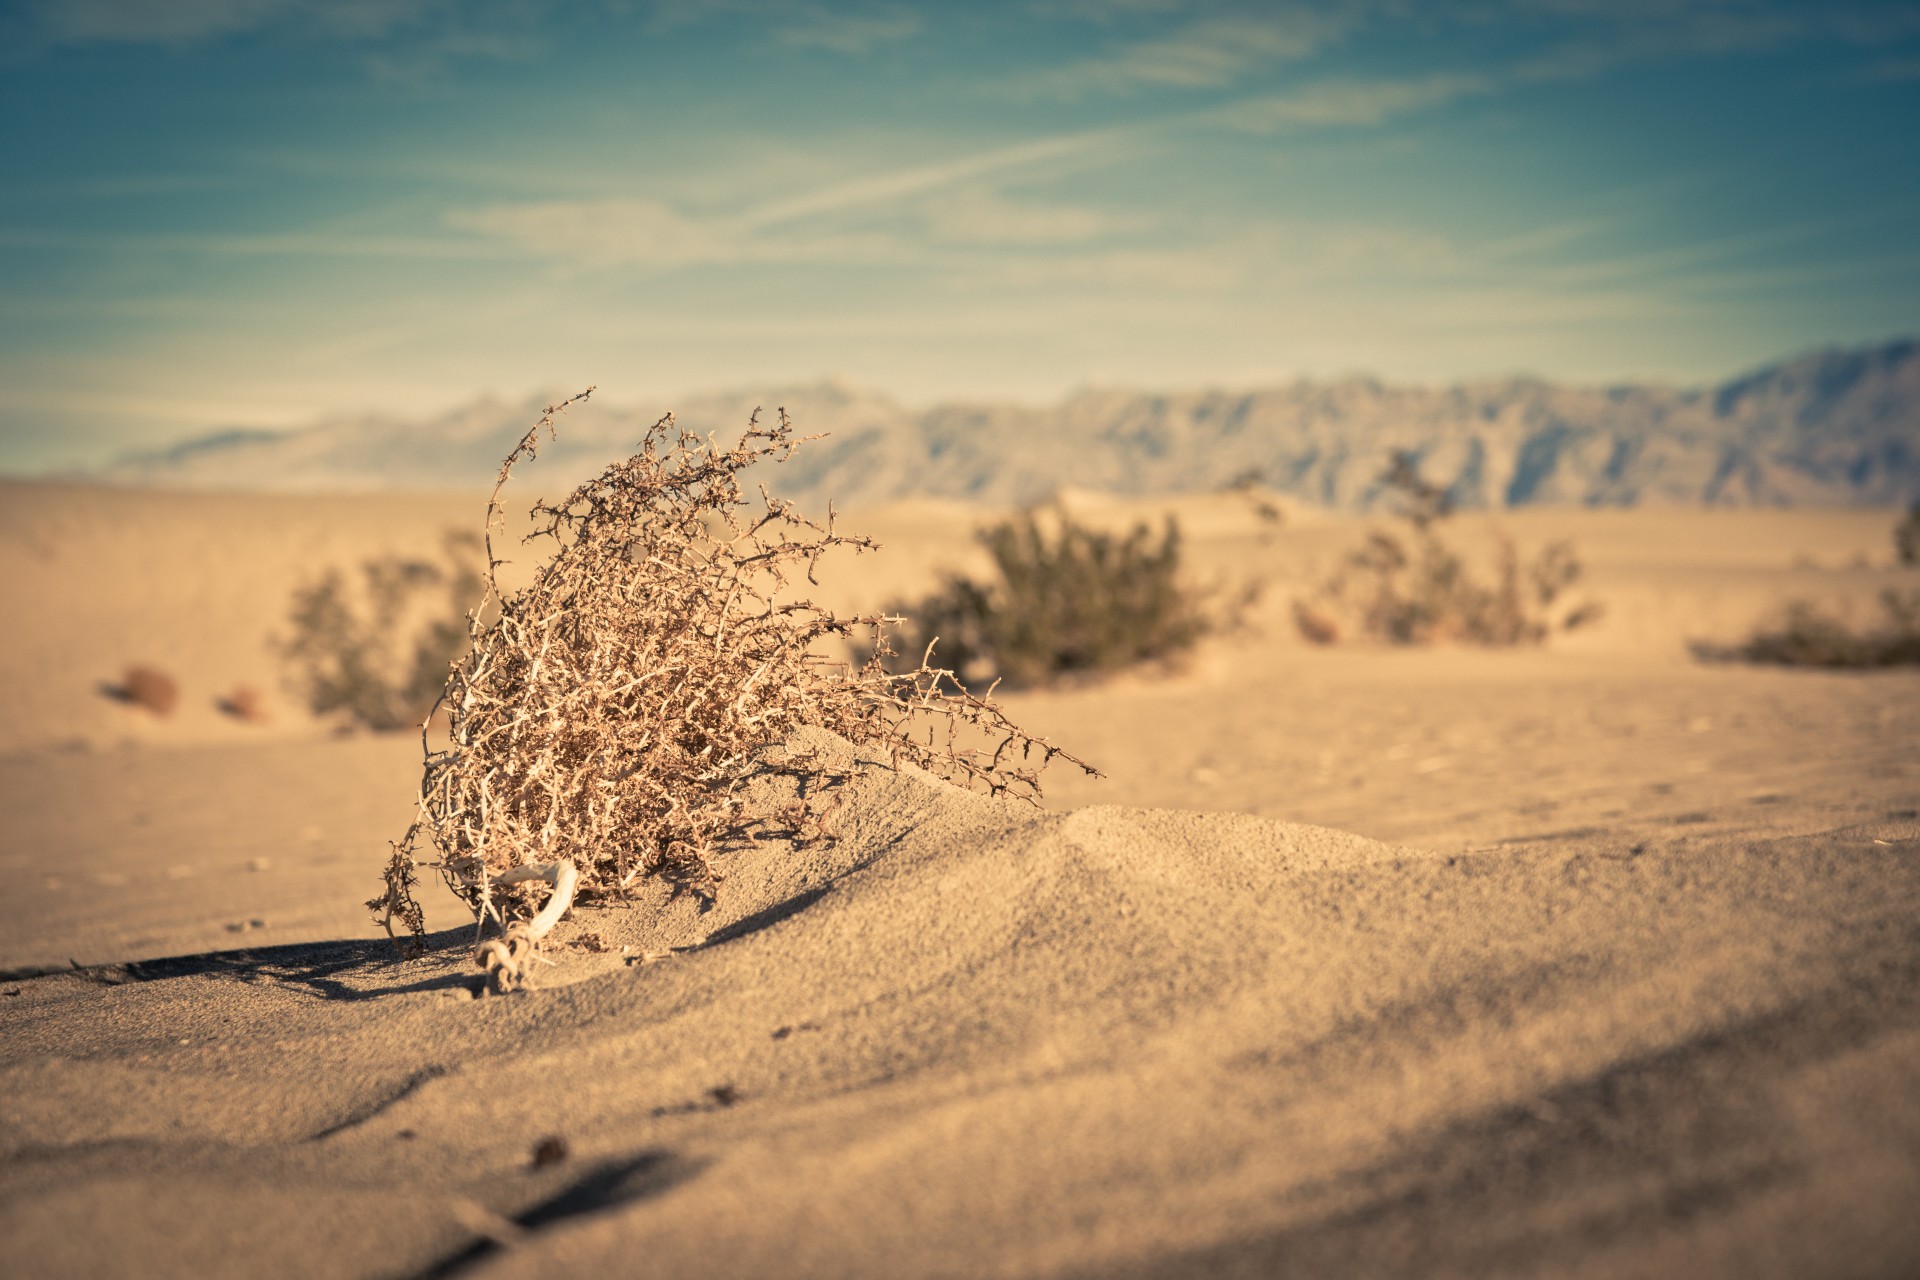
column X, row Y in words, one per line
column 1586, row 961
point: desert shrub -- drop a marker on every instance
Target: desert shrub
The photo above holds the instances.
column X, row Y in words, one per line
column 1808, row 636
column 1906, row 537
column 607, row 718
column 146, row 687
column 1413, row 587
column 1064, row 600
column 378, row 657
column 1249, row 485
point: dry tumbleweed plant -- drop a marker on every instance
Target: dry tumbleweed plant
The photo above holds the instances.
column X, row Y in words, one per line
column 604, row 724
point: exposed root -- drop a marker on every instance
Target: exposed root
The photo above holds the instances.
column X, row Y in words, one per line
column 506, row 958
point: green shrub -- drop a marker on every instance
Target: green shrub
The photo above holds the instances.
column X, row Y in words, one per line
column 378, row 657
column 1064, row 600
column 1412, row 587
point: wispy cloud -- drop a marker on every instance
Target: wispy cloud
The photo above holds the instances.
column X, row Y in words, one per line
column 181, row 22
column 1348, row 102
column 397, row 40
column 1894, row 71
column 851, row 34
column 890, row 186
column 914, row 229
column 1210, row 54
column 604, row 231
column 1608, row 34
column 982, row 216
column 1722, row 248
column 1544, row 239
column 303, row 244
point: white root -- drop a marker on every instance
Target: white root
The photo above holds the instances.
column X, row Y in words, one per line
column 506, row 958
column 562, row 875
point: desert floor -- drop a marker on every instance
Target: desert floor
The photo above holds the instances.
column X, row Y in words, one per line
column 1586, row 960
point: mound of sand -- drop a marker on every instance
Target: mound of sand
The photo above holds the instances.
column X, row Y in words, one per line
column 969, row 1039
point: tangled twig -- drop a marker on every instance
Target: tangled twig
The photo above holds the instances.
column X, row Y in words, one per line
column 607, row 718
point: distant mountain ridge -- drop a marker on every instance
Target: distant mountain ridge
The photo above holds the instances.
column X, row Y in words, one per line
column 1828, row 428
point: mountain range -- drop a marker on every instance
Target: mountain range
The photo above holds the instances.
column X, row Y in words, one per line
column 1828, row 428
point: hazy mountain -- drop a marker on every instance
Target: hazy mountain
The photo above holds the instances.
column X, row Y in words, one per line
column 1839, row 427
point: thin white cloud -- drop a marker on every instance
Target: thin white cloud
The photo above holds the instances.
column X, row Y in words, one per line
column 1555, row 236
column 1893, row 71
column 604, row 231
column 1684, row 257
column 916, row 214
column 1347, row 103
column 1209, row 54
column 400, row 41
column 180, row 22
column 1826, row 271
column 889, row 187
column 982, row 216
column 850, row 34
column 918, row 230
column 302, row 244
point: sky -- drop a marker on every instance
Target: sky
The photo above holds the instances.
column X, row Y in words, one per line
column 221, row 213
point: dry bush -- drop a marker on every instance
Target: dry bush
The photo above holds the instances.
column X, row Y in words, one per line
column 1249, row 484
column 607, row 718
column 1066, row 600
column 1808, row 636
column 1805, row 635
column 146, row 687
column 378, row 658
column 1414, row 588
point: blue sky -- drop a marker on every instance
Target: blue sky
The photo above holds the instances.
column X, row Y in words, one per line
column 258, row 212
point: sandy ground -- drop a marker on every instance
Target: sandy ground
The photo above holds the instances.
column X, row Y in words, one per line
column 1583, row 961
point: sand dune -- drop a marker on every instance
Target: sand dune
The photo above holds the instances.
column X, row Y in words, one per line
column 1586, row 961
column 968, row 1039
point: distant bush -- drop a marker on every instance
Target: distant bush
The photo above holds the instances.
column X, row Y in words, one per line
column 379, row 657
column 1413, row 588
column 148, row 688
column 1807, row 636
column 1248, row 485
column 1064, row 600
